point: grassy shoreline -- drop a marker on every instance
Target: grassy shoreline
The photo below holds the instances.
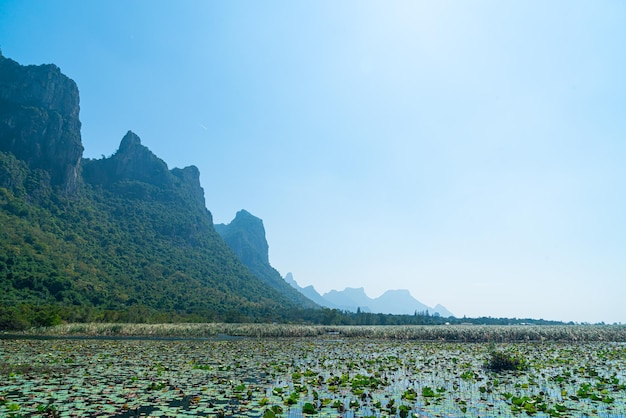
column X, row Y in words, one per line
column 452, row 333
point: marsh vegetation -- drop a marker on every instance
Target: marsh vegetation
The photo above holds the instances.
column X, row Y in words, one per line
column 322, row 374
column 452, row 333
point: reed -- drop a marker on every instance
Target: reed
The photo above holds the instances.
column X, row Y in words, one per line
column 451, row 333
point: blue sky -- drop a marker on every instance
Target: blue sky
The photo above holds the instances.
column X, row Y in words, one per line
column 473, row 152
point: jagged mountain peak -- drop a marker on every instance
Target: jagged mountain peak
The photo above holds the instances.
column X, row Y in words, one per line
column 245, row 235
column 351, row 298
column 139, row 240
column 253, row 224
column 350, row 291
column 394, row 301
column 136, row 162
column 289, row 279
column 130, row 140
column 191, row 173
column 399, row 292
column 245, row 214
column 132, row 162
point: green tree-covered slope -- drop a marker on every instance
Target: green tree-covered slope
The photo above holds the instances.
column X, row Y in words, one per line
column 119, row 238
column 130, row 247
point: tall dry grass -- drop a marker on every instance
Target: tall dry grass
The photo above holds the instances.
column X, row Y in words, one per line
column 455, row 333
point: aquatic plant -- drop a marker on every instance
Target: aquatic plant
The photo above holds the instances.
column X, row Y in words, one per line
column 320, row 376
column 499, row 361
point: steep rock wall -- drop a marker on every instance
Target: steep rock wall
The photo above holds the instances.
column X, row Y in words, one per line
column 39, row 121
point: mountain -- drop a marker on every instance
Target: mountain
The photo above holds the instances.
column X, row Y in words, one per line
column 349, row 299
column 442, row 311
column 397, row 302
column 122, row 238
column 309, row 292
column 246, row 236
column 40, row 126
column 401, row 302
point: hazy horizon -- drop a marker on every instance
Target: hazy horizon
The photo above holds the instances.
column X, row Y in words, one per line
column 473, row 152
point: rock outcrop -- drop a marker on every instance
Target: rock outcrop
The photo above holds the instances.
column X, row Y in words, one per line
column 190, row 180
column 131, row 162
column 138, row 243
column 136, row 170
column 246, row 236
column 39, row 121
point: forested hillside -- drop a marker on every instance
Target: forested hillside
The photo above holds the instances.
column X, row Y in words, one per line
column 119, row 238
column 125, row 238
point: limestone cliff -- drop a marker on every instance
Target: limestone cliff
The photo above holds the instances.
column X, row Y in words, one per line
column 134, row 172
column 132, row 161
column 122, row 236
column 39, row 123
column 134, row 169
column 246, row 236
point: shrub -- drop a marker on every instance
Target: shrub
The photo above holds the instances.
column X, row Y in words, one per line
column 499, row 361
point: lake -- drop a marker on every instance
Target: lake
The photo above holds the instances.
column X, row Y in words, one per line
column 318, row 376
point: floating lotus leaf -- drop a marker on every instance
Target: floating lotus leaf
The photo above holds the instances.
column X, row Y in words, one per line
column 291, row 376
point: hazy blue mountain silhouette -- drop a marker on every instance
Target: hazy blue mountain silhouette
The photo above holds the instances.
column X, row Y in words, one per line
column 397, row 302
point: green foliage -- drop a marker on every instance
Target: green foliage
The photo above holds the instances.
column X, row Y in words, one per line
column 124, row 250
column 309, row 409
column 254, row 375
column 404, row 411
column 409, row 395
column 292, row 399
column 428, row 392
column 499, row 361
column 113, row 254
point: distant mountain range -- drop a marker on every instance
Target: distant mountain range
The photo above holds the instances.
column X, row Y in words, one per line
column 125, row 238
column 121, row 238
column 246, row 236
column 397, row 302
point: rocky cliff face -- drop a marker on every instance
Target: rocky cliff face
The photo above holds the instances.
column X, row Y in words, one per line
column 131, row 162
column 245, row 235
column 190, row 180
column 39, row 123
column 135, row 163
column 139, row 237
